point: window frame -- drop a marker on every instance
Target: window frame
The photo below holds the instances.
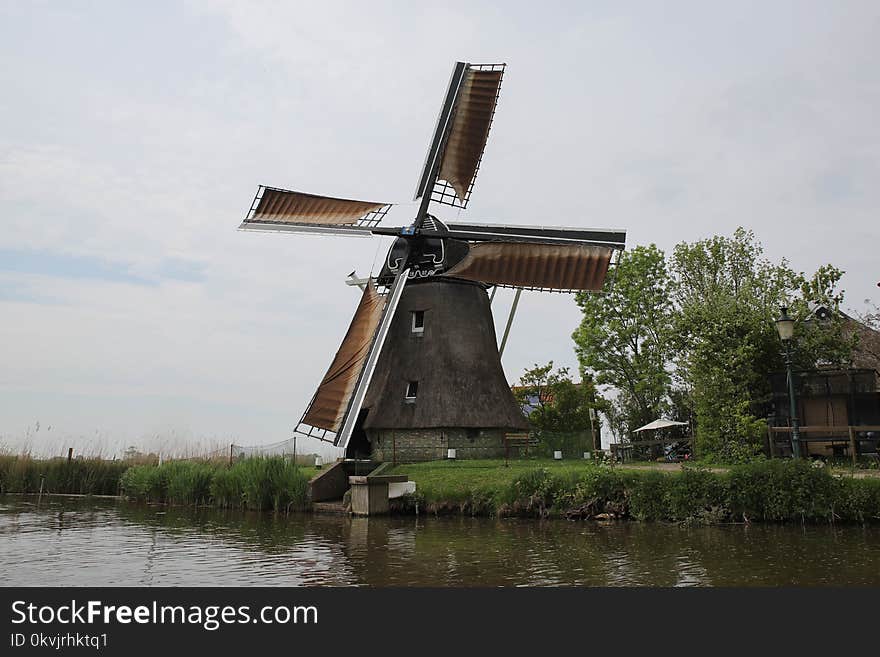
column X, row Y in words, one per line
column 414, row 329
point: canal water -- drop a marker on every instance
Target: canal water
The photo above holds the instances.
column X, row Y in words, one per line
column 81, row 542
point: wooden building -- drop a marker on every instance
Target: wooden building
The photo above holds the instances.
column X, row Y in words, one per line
column 844, row 399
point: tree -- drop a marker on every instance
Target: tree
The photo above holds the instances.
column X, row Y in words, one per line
column 820, row 342
column 624, row 338
column 695, row 337
column 560, row 409
column 559, row 404
column 870, row 317
column 727, row 298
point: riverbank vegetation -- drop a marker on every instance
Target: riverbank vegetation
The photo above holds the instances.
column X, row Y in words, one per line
column 776, row 490
column 255, row 483
column 761, row 491
column 85, row 476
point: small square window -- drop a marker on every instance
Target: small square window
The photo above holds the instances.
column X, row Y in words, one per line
column 418, row 321
column 412, row 390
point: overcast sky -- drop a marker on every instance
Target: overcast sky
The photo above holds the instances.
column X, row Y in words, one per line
column 133, row 137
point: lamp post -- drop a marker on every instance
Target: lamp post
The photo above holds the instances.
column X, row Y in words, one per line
column 785, row 328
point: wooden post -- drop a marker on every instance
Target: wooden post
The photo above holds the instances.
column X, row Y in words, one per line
column 770, row 440
column 507, row 451
column 509, row 321
column 852, row 445
column 69, row 454
column 230, row 453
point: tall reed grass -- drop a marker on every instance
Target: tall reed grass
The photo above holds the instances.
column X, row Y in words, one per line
column 90, row 476
column 257, row 483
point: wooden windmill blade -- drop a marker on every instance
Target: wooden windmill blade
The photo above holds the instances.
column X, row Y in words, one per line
column 535, row 265
column 366, row 375
column 282, row 210
column 334, row 408
column 328, row 405
column 460, row 136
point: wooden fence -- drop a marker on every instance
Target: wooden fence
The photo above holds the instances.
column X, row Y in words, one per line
column 832, row 435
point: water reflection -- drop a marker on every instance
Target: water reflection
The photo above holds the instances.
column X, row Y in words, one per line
column 102, row 543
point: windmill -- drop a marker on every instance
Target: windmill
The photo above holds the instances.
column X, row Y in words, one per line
column 418, row 371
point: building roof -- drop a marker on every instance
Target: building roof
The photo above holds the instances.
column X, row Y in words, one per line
column 866, row 354
column 454, row 360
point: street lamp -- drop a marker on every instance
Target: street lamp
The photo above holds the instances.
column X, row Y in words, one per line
column 785, row 328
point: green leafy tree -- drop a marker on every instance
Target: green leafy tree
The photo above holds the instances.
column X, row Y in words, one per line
column 727, row 297
column 624, row 337
column 559, row 404
column 820, row 342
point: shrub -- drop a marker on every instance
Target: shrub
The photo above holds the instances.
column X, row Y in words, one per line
column 529, row 493
column 648, row 499
column 857, row 500
column 605, row 489
column 782, row 489
column 696, row 493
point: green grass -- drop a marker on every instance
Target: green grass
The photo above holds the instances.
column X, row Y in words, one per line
column 449, row 475
column 771, row 491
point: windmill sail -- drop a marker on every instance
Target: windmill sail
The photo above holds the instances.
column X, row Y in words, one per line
column 328, row 406
column 535, row 265
column 372, row 357
column 469, row 133
column 282, row 209
column 456, row 149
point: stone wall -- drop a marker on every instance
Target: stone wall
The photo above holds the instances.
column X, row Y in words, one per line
column 409, row 445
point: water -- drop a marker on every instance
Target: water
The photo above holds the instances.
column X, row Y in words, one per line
column 107, row 543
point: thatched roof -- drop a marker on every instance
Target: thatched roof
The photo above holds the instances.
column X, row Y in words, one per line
column 454, row 360
column 866, row 354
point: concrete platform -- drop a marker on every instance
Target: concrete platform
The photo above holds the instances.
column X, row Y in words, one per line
column 369, row 494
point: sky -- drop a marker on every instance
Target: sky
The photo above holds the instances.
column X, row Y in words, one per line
column 133, row 137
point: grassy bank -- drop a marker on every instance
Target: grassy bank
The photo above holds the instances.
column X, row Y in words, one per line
column 93, row 476
column 772, row 491
column 255, row 483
